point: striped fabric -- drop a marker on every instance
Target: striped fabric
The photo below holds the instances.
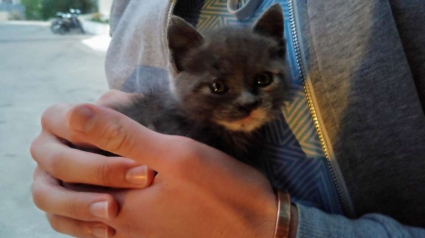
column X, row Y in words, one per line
column 293, row 158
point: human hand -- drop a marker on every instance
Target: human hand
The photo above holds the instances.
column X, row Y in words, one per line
column 198, row 192
column 54, row 151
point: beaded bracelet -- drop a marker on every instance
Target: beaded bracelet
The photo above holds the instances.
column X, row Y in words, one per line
column 283, row 216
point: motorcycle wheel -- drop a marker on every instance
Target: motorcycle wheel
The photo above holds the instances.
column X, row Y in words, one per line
column 57, row 28
column 81, row 27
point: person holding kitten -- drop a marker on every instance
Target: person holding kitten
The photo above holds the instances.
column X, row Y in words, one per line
column 366, row 74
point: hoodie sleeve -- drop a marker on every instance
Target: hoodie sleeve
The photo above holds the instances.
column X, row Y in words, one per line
column 117, row 10
column 313, row 223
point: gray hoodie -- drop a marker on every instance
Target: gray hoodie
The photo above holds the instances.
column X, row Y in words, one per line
column 361, row 66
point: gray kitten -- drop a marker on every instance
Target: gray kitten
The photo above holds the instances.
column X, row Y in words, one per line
column 227, row 84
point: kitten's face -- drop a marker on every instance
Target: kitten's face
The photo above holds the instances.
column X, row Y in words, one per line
column 233, row 77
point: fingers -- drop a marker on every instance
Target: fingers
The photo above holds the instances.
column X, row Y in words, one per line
column 50, row 197
column 78, row 228
column 114, row 132
column 77, row 166
column 113, row 98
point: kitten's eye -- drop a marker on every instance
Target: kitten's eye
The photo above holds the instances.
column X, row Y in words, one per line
column 218, row 87
column 264, row 79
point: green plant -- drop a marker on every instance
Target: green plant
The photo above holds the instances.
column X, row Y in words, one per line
column 32, row 9
column 15, row 16
column 45, row 9
column 50, row 7
column 97, row 17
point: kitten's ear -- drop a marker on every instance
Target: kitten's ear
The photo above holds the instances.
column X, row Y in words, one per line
column 182, row 37
column 271, row 23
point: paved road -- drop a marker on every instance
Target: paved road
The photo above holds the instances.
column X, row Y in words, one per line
column 37, row 69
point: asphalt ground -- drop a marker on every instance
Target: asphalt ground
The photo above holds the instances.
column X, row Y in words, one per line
column 37, row 69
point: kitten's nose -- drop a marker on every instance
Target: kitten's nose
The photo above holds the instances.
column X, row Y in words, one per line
column 248, row 107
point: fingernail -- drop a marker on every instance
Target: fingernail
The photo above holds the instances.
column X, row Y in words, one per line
column 137, row 175
column 100, row 209
column 100, row 231
column 81, row 118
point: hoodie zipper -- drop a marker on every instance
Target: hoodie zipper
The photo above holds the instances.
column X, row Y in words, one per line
column 337, row 179
column 170, row 12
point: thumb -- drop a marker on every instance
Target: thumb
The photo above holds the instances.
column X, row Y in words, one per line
column 112, row 131
column 114, row 98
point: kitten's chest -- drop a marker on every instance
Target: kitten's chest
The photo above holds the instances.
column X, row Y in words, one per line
column 242, row 146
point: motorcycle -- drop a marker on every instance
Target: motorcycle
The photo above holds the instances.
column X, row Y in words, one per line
column 65, row 22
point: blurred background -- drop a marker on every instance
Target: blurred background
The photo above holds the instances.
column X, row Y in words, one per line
column 44, row 59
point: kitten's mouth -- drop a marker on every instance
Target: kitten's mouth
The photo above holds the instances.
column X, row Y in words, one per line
column 247, row 124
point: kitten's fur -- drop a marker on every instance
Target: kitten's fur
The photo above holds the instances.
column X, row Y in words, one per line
column 235, row 58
